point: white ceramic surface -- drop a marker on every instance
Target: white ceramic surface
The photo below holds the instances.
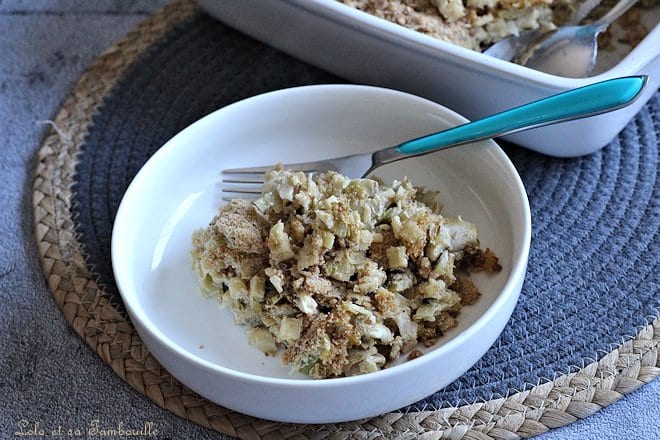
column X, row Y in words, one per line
column 369, row 50
column 178, row 191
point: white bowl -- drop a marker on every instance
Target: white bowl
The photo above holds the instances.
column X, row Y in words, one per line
column 369, row 50
column 178, row 191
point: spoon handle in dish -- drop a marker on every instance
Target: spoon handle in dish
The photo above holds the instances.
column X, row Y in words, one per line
column 578, row 103
column 613, row 14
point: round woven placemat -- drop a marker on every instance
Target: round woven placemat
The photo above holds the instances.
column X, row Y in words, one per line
column 586, row 330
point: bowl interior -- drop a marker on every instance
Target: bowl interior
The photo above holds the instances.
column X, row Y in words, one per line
column 178, row 190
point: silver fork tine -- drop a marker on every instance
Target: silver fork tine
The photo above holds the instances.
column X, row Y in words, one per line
column 307, row 167
column 252, row 170
column 252, row 181
column 256, row 178
column 242, row 190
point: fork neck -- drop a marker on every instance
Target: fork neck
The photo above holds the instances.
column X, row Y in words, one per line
column 388, row 155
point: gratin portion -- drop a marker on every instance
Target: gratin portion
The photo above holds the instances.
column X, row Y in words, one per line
column 345, row 276
column 474, row 24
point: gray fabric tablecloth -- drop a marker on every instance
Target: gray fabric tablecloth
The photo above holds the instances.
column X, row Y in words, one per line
column 49, row 377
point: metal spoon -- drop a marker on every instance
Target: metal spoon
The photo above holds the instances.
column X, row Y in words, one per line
column 570, row 51
column 507, row 48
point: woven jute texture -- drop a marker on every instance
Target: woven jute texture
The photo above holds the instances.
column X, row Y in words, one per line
column 87, row 308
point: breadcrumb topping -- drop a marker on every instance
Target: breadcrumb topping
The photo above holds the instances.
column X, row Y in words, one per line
column 474, row 24
column 342, row 276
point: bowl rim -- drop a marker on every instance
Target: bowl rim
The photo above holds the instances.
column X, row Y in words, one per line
column 144, row 323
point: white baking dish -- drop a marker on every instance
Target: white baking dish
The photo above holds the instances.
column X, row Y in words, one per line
column 370, row 50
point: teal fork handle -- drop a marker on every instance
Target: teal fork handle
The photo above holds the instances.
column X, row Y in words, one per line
column 585, row 101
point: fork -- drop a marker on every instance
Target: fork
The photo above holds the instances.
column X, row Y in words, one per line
column 574, row 104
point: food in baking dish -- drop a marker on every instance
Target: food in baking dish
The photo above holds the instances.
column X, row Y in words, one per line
column 474, row 24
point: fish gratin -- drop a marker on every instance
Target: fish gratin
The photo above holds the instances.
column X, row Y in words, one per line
column 341, row 276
